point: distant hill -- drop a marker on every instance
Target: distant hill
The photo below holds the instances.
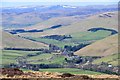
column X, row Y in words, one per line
column 47, row 24
column 12, row 41
column 91, row 22
column 16, row 17
column 64, row 21
column 104, row 47
column 103, row 20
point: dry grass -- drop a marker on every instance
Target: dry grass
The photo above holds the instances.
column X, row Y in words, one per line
column 12, row 41
column 53, row 21
column 104, row 47
column 82, row 25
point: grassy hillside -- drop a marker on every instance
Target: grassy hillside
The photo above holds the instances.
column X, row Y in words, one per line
column 11, row 41
column 104, row 47
column 77, row 38
column 91, row 22
column 111, row 59
column 105, row 20
column 54, row 21
column 55, row 42
column 87, row 36
column 17, row 20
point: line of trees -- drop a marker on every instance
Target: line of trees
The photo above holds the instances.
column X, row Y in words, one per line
column 58, row 37
column 75, row 48
column 101, row 68
column 29, row 49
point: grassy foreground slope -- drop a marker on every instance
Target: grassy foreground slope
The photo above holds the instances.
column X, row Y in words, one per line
column 104, row 47
column 11, row 41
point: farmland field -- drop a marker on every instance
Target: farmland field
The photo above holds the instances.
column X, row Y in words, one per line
column 47, row 59
column 71, row 70
column 77, row 38
column 55, row 42
column 10, row 56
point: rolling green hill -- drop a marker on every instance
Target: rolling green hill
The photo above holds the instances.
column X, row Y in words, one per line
column 85, row 37
column 55, row 42
column 88, row 36
column 104, row 47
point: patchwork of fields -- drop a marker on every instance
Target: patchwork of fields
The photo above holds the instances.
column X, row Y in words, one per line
column 71, row 42
column 77, row 38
